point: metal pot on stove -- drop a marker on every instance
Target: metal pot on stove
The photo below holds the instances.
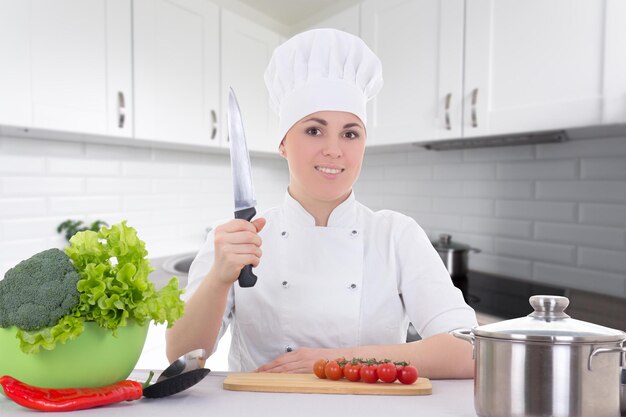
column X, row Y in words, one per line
column 453, row 254
column 546, row 364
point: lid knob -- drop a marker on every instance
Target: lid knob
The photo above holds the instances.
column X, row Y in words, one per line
column 548, row 307
column 445, row 239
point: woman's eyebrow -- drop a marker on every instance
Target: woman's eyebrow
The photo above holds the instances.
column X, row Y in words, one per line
column 315, row 119
column 349, row 125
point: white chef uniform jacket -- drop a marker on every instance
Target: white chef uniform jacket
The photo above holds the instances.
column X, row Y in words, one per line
column 358, row 281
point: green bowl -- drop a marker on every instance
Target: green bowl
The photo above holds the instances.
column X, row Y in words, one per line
column 93, row 359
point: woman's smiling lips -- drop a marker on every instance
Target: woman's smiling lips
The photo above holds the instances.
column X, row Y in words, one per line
column 330, row 171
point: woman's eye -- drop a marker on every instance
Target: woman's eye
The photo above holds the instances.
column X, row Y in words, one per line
column 313, row 131
column 351, row 135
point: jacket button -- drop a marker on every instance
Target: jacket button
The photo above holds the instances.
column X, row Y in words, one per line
column 285, row 284
column 288, row 349
column 284, row 233
column 353, row 286
column 354, row 232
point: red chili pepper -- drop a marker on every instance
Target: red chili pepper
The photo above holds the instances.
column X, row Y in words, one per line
column 69, row 399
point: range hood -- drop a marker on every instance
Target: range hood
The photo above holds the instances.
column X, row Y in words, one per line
column 534, row 138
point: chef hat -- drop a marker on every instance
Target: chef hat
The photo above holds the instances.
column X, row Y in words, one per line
column 321, row 70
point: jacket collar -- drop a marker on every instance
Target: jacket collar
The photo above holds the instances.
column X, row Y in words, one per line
column 344, row 215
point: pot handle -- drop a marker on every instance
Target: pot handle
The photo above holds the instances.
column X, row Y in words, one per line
column 467, row 335
column 597, row 351
column 475, row 250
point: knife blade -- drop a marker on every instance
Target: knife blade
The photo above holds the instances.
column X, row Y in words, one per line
column 243, row 188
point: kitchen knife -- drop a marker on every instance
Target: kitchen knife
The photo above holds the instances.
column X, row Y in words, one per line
column 242, row 177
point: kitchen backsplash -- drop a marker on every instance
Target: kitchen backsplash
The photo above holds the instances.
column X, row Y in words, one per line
column 170, row 197
column 551, row 213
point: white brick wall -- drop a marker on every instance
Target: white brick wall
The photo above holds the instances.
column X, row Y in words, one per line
column 553, row 213
column 170, row 197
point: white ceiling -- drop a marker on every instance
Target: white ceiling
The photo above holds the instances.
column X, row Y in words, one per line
column 292, row 12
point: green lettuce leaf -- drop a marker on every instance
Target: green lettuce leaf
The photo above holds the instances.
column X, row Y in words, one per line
column 114, row 288
column 67, row 328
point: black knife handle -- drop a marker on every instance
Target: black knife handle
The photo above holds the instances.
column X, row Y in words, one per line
column 246, row 276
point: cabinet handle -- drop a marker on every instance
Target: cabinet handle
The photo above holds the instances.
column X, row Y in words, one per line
column 213, row 124
column 121, row 109
column 474, row 101
column 448, row 99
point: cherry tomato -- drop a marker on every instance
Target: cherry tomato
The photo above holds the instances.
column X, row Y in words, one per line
column 387, row 372
column 318, row 368
column 369, row 373
column 399, row 367
column 352, row 371
column 408, row 374
column 333, row 371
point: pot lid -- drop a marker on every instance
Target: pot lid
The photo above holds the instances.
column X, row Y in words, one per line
column 549, row 323
column 445, row 243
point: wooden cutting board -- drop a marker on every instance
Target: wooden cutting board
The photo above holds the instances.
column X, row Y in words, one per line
column 309, row 383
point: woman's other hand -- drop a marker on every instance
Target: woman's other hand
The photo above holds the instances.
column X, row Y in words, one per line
column 237, row 244
column 301, row 361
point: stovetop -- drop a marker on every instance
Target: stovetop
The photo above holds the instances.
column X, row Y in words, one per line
column 499, row 296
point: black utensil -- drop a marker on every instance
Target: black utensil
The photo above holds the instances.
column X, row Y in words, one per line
column 183, row 373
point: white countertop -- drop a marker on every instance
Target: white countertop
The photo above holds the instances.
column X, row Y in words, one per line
column 450, row 398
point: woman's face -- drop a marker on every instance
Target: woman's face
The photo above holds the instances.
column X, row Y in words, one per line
column 324, row 151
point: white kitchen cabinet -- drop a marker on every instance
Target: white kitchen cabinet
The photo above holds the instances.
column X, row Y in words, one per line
column 420, row 44
column 15, row 86
column 614, row 75
column 246, row 51
column 533, row 65
column 462, row 69
column 68, row 65
column 176, row 71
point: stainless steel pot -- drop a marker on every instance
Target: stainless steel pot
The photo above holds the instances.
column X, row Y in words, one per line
column 546, row 364
column 623, row 393
column 453, row 254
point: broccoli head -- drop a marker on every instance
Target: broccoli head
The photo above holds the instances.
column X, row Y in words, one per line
column 38, row 291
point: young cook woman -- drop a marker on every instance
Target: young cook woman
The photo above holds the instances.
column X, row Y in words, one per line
column 334, row 278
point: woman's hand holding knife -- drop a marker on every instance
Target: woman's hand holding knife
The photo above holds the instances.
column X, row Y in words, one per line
column 237, row 244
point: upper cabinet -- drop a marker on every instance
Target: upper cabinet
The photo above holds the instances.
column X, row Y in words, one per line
column 455, row 68
column 533, row 65
column 152, row 70
column 15, row 79
column 246, row 51
column 176, row 63
column 614, row 85
column 159, row 70
column 420, row 44
column 70, row 65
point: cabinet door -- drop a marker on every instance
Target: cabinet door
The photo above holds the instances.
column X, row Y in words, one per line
column 532, row 65
column 120, row 101
column 246, row 51
column 614, row 103
column 420, row 45
column 70, row 42
column 176, row 53
column 15, row 91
